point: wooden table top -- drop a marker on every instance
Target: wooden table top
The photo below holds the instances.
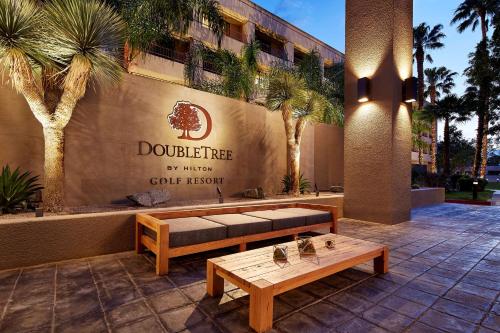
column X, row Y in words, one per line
column 257, row 266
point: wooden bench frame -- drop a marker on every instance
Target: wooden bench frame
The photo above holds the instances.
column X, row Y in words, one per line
column 160, row 246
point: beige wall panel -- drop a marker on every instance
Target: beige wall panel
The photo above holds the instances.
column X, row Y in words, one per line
column 102, row 143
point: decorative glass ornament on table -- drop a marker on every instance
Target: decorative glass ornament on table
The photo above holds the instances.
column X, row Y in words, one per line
column 305, row 245
column 280, row 252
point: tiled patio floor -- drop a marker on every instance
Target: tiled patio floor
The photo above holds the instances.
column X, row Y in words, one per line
column 444, row 276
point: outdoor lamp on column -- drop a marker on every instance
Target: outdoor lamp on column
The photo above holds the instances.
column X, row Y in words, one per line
column 410, row 90
column 363, row 90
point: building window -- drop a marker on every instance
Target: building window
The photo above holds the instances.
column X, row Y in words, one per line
column 298, row 56
column 233, row 29
column 171, row 49
column 270, row 45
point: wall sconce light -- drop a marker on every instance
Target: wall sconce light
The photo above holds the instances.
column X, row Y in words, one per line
column 363, row 90
column 410, row 90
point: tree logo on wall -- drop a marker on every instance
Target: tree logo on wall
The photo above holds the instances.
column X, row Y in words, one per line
column 185, row 117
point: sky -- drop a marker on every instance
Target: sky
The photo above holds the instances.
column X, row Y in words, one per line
column 325, row 19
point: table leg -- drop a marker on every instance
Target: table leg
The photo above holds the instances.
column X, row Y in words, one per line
column 261, row 306
column 381, row 264
column 215, row 284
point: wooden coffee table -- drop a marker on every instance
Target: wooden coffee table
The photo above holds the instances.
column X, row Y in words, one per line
column 258, row 274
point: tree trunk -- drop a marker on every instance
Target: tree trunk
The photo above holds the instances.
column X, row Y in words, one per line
column 420, row 156
column 433, row 134
column 53, row 199
column 290, row 147
column 446, row 147
column 486, row 121
column 300, row 125
column 420, row 70
column 479, row 144
column 294, row 154
column 484, row 150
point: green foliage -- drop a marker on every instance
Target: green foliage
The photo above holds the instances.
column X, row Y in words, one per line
column 149, row 21
column 425, row 38
column 471, row 13
column 461, row 151
column 16, row 188
column 237, row 73
column 439, row 79
column 465, row 183
column 304, row 184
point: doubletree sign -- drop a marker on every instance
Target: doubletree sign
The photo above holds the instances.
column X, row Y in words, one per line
column 188, row 119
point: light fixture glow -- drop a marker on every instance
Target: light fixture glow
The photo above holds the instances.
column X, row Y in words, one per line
column 363, row 90
column 410, row 90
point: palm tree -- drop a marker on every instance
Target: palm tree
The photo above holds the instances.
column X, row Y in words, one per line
column 250, row 67
column 151, row 21
column 450, row 108
column 439, row 80
column 419, row 126
column 51, row 53
column 424, row 39
column 470, row 14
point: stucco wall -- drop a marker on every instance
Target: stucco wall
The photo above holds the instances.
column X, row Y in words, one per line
column 427, row 196
column 102, row 143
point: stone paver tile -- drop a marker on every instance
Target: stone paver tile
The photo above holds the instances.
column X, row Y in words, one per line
column 350, row 302
column 492, row 322
column 485, row 330
column 92, row 322
column 300, row 323
column 114, row 293
column 216, row 305
column 446, row 322
column 418, row 327
column 477, row 281
column 137, row 265
column 417, row 296
column 387, row 318
column 77, row 306
column 280, row 309
column 149, row 283
column 337, row 281
column 359, row 325
column 25, row 318
column 354, row 274
column 181, row 318
column 203, row 327
column 195, row 292
column 382, row 284
column 396, row 278
column 476, row 290
column 403, row 306
column 371, row 294
column 318, row 289
column 459, row 310
column 467, row 299
column 235, row 321
column 328, row 314
column 428, row 287
column 184, row 277
column 496, row 309
column 168, row 300
column 296, row 298
column 453, row 275
column 149, row 325
column 128, row 313
column 108, row 270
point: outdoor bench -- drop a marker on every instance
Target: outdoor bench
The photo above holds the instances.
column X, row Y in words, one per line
column 172, row 234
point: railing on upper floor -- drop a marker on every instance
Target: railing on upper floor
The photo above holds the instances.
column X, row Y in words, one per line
column 168, row 53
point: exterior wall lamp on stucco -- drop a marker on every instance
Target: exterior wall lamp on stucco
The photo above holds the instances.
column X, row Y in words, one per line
column 363, row 90
column 410, row 90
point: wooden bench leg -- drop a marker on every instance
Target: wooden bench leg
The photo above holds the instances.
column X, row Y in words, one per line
column 139, row 248
column 381, row 264
column 162, row 244
column 243, row 247
column 215, row 284
column 295, row 236
column 261, row 306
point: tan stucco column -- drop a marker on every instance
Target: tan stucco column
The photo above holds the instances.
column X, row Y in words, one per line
column 377, row 133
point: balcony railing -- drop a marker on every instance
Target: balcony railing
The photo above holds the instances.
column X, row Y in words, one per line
column 168, row 53
column 234, row 34
column 274, row 52
column 210, row 67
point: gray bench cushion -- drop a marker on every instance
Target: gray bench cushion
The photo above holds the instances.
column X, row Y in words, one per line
column 191, row 230
column 281, row 220
column 312, row 216
column 241, row 225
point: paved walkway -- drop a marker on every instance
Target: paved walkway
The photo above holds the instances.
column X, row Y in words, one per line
column 445, row 276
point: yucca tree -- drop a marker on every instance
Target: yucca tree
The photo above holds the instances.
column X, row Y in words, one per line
column 424, row 40
column 439, row 80
column 288, row 93
column 51, row 52
column 450, row 108
column 471, row 14
column 151, row 21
